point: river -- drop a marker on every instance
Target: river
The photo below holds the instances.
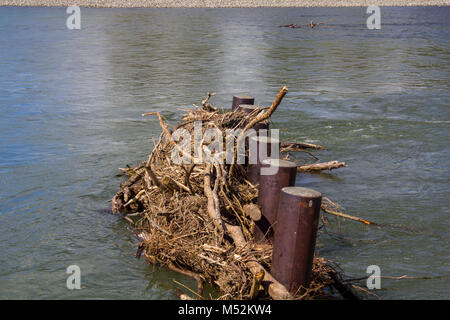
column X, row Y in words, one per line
column 70, row 115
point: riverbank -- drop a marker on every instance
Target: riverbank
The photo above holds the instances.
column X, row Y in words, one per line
column 217, row 3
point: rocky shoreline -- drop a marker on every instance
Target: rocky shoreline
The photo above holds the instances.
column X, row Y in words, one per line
column 218, row 3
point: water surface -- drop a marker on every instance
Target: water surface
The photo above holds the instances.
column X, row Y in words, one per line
column 70, row 106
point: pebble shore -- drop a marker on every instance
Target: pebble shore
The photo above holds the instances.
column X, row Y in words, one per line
column 219, row 3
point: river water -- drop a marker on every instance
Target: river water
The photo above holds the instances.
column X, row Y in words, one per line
column 70, row 115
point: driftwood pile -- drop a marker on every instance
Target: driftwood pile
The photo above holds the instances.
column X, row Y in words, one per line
column 192, row 218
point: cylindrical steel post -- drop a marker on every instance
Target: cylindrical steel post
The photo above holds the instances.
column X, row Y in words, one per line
column 295, row 236
column 281, row 173
column 253, row 169
column 241, row 99
column 247, row 108
column 263, row 125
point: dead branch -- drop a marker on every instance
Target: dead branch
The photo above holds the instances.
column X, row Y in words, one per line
column 260, row 117
column 266, row 115
column 294, row 146
column 347, row 216
column 213, row 211
column 205, row 103
column 163, row 126
column 321, row 166
column 276, row 290
column 198, row 219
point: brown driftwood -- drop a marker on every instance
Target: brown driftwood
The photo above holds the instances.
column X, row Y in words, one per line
column 312, row 24
column 197, row 219
column 252, row 210
column 293, row 26
column 294, row 146
column 188, row 273
column 347, row 216
column 266, row 115
column 205, row 103
column 321, row 166
column 330, row 207
column 276, row 290
column 213, row 210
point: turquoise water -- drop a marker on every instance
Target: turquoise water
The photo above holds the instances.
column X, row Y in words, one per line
column 70, row 115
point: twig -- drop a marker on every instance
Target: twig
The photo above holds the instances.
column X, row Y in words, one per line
column 300, row 145
column 187, row 288
column 256, row 284
column 211, row 248
column 168, row 134
column 136, row 198
column 266, row 115
column 154, row 224
column 413, row 278
column 163, row 126
column 347, row 216
column 191, row 274
column 365, row 291
column 187, row 176
column 205, row 105
column 149, row 172
column 212, row 261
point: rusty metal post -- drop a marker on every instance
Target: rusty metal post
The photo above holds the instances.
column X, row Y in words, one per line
column 253, row 169
column 269, row 192
column 263, row 125
column 247, row 108
column 295, row 236
column 241, row 99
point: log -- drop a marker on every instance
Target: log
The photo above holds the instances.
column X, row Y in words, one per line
column 300, row 145
column 213, row 212
column 252, row 210
column 276, row 290
column 321, row 166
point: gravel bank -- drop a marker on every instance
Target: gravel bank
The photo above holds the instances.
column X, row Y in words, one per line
column 220, row 3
